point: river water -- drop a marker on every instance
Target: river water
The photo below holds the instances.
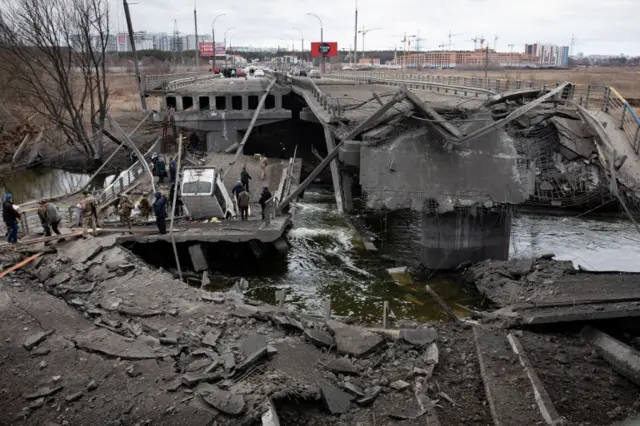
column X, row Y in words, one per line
column 328, row 261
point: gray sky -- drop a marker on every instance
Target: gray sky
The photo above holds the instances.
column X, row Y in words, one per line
column 600, row 26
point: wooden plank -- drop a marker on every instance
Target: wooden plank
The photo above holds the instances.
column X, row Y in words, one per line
column 506, row 384
column 19, row 265
column 546, row 407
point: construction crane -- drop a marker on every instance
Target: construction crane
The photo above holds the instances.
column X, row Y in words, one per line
column 475, row 43
column 451, row 36
column 406, row 46
column 511, row 47
column 364, row 32
column 495, row 43
column 442, row 45
column 481, row 40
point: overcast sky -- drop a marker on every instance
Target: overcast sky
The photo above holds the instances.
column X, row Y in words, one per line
column 599, row 26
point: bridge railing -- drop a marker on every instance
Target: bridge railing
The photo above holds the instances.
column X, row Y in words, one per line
column 284, row 188
column 125, row 179
column 175, row 81
column 592, row 96
column 328, row 103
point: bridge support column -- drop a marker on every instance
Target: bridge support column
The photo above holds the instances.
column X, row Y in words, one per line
column 451, row 238
column 179, row 106
column 278, row 99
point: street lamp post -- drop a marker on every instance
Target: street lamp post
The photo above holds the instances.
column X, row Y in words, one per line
column 323, row 60
column 225, row 45
column 213, row 35
column 301, row 42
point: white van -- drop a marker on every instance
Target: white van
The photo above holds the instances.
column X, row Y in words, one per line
column 204, row 195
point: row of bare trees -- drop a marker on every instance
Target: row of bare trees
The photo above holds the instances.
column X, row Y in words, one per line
column 53, row 64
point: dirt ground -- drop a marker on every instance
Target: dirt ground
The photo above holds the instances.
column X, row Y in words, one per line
column 582, row 385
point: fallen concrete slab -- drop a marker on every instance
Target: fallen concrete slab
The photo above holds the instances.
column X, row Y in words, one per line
column 355, row 341
column 623, row 358
column 507, row 386
column 112, row 344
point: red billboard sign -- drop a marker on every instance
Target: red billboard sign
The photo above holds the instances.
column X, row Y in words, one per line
column 325, row 49
column 206, row 48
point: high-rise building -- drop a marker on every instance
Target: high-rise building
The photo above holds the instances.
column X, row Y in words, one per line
column 548, row 55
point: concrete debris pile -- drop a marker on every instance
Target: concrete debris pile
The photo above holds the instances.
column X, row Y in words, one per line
column 223, row 354
column 516, row 280
column 560, row 148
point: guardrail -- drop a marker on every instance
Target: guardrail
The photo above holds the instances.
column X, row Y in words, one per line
column 328, row 103
column 125, row 179
column 419, row 82
column 591, row 96
column 175, row 81
column 625, row 115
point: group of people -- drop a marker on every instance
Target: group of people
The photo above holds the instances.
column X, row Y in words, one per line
column 243, row 195
column 159, row 168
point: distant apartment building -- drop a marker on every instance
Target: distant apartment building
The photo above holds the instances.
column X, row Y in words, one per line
column 464, row 59
column 548, row 55
column 369, row 61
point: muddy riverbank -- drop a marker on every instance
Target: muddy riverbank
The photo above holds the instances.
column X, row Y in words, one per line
column 91, row 332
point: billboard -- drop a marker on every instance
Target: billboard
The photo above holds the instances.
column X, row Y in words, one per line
column 206, row 49
column 326, row 49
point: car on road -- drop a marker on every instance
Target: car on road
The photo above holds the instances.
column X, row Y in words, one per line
column 314, row 74
column 258, row 73
column 240, row 72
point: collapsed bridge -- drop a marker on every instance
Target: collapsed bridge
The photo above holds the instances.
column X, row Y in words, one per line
column 462, row 152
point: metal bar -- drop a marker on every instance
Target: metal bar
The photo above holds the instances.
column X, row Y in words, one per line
column 173, row 207
column 251, row 124
column 431, row 113
column 333, row 154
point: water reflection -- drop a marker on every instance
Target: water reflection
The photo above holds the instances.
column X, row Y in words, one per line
column 31, row 184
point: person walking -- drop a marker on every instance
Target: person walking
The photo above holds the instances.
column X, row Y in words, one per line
column 90, row 217
column 173, row 169
column 263, row 167
column 264, row 197
column 49, row 218
column 243, row 204
column 10, row 215
column 125, row 211
column 245, row 178
column 79, row 215
column 161, row 168
column 145, row 208
column 160, row 210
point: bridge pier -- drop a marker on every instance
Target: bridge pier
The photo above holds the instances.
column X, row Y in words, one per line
column 452, row 238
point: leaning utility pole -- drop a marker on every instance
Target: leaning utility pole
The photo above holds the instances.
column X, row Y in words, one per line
column 355, row 39
column 176, row 188
column 195, row 21
column 132, row 41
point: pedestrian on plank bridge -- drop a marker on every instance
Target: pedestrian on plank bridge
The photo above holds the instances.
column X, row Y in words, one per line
column 145, row 208
column 243, row 204
column 90, row 207
column 245, row 178
column 125, row 211
column 10, row 215
column 49, row 217
column 160, row 210
column 263, row 167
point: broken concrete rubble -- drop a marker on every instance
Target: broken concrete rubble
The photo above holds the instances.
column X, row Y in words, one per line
column 352, row 340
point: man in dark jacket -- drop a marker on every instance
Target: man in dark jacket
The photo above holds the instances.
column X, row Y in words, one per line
column 245, row 178
column 264, row 197
column 161, row 169
column 172, row 170
column 160, row 210
column 10, row 216
column 243, row 204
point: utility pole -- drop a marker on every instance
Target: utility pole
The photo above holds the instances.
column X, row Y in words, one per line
column 173, row 206
column 486, row 63
column 355, row 39
column 195, row 21
column 132, row 41
column 364, row 33
column 213, row 36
